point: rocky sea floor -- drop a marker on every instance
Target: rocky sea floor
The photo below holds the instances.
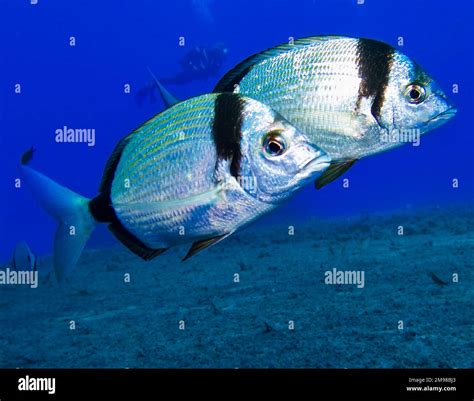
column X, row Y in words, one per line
column 279, row 313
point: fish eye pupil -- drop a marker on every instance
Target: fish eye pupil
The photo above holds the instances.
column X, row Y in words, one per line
column 415, row 94
column 273, row 145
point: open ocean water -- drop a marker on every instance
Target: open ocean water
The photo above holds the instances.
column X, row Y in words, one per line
column 259, row 298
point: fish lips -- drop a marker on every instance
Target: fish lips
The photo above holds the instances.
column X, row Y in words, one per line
column 442, row 117
column 316, row 165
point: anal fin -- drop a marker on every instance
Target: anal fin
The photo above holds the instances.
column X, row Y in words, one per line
column 198, row 246
column 133, row 243
column 335, row 170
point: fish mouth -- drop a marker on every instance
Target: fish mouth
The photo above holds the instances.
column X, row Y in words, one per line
column 318, row 164
column 444, row 115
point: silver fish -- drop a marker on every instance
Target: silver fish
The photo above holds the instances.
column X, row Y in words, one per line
column 195, row 173
column 353, row 97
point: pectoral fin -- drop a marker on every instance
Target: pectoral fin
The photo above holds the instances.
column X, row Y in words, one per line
column 335, row 170
column 198, row 246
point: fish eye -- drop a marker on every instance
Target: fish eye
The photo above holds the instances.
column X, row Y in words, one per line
column 274, row 144
column 415, row 93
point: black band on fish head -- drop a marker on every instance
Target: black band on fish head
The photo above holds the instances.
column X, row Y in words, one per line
column 374, row 60
column 227, row 129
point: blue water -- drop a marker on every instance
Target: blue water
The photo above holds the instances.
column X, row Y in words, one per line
column 83, row 87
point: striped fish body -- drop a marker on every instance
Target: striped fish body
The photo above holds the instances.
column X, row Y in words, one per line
column 186, row 175
column 345, row 93
column 178, row 177
column 165, row 191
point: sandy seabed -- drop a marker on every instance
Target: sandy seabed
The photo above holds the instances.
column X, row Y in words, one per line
column 248, row 323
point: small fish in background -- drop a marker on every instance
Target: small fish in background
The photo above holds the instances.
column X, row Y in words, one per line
column 23, row 259
column 195, row 173
column 436, row 279
column 349, row 95
column 28, row 155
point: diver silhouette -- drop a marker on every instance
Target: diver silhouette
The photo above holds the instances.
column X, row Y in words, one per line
column 199, row 63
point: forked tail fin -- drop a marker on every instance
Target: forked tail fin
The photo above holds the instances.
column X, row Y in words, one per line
column 71, row 210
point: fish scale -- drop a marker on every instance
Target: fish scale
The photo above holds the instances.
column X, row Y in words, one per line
column 195, row 173
column 326, row 67
column 161, row 143
column 213, row 164
column 167, row 180
column 183, row 177
column 347, row 94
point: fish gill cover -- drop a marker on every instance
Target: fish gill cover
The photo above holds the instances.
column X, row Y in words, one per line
column 379, row 258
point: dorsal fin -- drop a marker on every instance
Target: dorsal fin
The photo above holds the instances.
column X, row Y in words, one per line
column 235, row 75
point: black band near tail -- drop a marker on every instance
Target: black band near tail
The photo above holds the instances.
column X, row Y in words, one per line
column 374, row 60
column 101, row 208
column 103, row 211
column 227, row 129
